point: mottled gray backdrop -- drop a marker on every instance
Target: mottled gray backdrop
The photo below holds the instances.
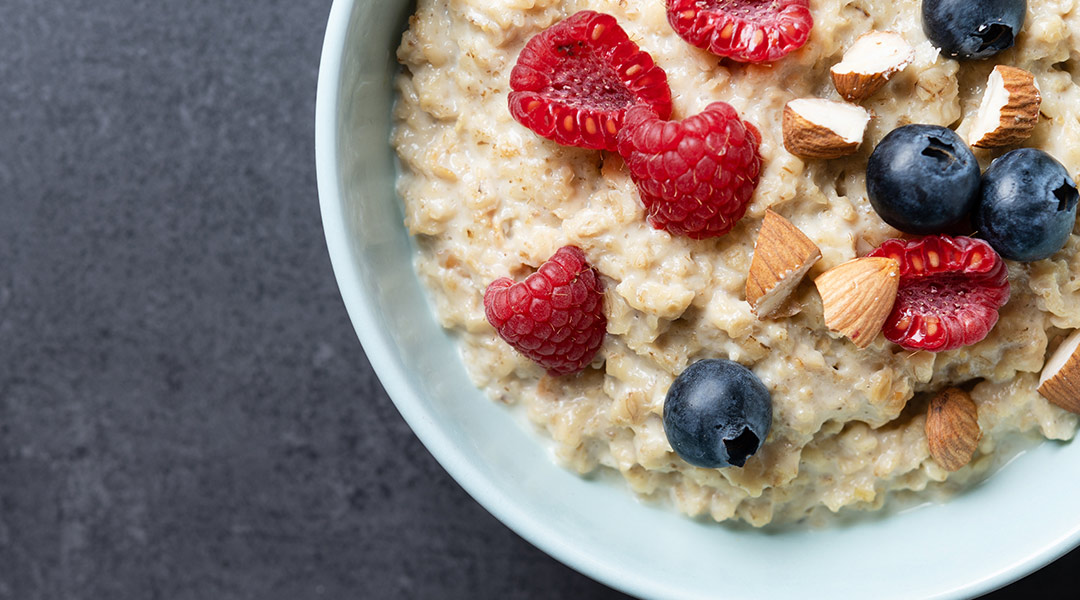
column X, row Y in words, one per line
column 185, row 411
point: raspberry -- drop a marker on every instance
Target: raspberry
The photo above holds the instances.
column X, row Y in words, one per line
column 555, row 317
column 743, row 30
column 695, row 176
column 950, row 291
column 574, row 81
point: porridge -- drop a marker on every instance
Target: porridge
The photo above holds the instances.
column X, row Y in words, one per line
column 486, row 198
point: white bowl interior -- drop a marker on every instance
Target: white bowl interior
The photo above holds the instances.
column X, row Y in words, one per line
column 1018, row 520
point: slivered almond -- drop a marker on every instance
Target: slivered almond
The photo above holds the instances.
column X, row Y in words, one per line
column 869, row 63
column 815, row 128
column 1060, row 379
column 1009, row 109
column 782, row 256
column 858, row 295
column 952, row 428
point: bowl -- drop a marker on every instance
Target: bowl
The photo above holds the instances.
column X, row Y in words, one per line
column 1016, row 521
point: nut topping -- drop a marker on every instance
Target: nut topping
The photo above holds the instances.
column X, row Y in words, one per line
column 782, row 256
column 952, row 428
column 815, row 128
column 1060, row 379
column 869, row 63
column 858, row 295
column 1009, row 109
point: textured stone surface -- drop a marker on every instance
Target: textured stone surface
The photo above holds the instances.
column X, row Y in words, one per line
column 185, row 412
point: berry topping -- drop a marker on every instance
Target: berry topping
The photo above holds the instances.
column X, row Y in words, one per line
column 717, row 414
column 922, row 179
column 555, row 317
column 695, row 176
column 950, row 291
column 574, row 81
column 743, row 30
column 966, row 29
column 1027, row 205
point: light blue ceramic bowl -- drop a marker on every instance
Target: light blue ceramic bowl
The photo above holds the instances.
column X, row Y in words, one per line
column 1020, row 519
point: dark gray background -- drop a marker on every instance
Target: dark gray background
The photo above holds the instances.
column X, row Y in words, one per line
column 185, row 411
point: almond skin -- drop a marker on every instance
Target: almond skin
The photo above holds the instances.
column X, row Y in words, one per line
column 1000, row 125
column 1060, row 380
column 782, row 256
column 856, row 87
column 952, row 428
column 858, row 295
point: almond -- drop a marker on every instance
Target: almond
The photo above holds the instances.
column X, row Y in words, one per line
column 1009, row 109
column 858, row 295
column 869, row 63
column 782, row 256
column 815, row 128
column 1060, row 379
column 952, row 428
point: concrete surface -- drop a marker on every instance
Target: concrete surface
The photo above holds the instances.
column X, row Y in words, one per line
column 185, row 412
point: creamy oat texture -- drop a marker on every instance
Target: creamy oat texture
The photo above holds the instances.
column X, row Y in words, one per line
column 486, row 197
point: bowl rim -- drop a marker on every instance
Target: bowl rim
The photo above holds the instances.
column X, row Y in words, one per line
column 378, row 349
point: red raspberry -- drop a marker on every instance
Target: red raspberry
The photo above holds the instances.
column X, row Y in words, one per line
column 950, row 291
column 743, row 30
column 574, row 81
column 555, row 317
column 695, row 176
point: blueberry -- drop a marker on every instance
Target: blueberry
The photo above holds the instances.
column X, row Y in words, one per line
column 922, row 179
column 1027, row 205
column 717, row 414
column 973, row 28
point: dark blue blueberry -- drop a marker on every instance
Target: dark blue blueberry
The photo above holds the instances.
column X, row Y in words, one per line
column 922, row 179
column 973, row 28
column 1027, row 205
column 717, row 414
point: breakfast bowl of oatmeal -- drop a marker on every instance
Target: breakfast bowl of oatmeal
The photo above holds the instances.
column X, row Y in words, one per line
column 695, row 294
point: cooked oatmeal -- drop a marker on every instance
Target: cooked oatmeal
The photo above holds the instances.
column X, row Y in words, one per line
column 485, row 197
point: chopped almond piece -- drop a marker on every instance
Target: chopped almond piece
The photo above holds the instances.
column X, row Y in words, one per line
column 858, row 295
column 815, row 128
column 1060, row 379
column 782, row 256
column 1009, row 109
column 952, row 428
column 869, row 63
